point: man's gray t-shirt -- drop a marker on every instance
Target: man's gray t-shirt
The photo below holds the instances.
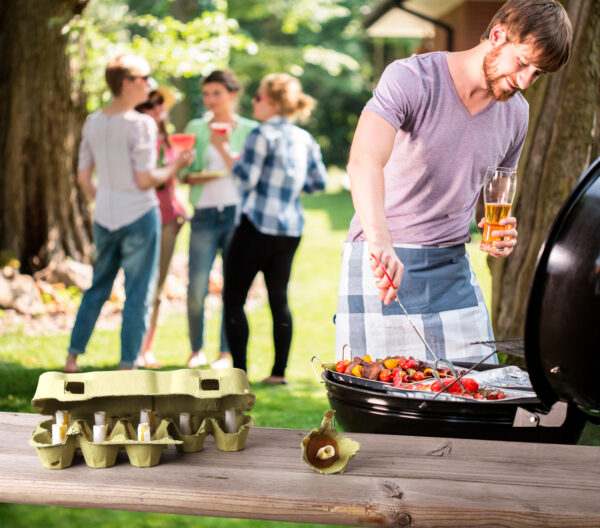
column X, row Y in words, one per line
column 436, row 170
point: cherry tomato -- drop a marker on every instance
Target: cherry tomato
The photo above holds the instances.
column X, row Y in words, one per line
column 410, row 363
column 385, row 375
column 418, row 376
column 453, row 389
column 470, row 385
column 340, row 366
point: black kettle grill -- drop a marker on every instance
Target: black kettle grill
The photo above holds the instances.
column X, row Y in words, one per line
column 561, row 349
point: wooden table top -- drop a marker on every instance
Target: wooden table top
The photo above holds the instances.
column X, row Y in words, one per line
column 392, row 481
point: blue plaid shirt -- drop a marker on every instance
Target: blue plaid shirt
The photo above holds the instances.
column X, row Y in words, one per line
column 278, row 162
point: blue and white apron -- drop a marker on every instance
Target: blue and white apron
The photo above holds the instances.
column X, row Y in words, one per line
column 439, row 291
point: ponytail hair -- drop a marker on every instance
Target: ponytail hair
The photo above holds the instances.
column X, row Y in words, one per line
column 287, row 91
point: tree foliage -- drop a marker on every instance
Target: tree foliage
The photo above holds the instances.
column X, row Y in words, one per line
column 174, row 49
column 322, row 43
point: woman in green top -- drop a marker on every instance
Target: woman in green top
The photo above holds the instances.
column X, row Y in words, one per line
column 215, row 198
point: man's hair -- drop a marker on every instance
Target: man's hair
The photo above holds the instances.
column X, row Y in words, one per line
column 543, row 24
column 121, row 68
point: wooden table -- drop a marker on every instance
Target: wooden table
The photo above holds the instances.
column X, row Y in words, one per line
column 392, row 481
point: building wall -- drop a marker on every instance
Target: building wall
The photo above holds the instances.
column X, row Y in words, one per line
column 469, row 21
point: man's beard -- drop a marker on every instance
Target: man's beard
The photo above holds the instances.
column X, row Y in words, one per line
column 492, row 79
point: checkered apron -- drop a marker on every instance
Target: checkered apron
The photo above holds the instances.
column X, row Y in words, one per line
column 440, row 292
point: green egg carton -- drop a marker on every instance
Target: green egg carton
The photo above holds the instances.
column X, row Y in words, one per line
column 205, row 394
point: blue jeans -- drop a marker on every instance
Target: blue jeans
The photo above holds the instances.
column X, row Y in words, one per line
column 212, row 229
column 135, row 248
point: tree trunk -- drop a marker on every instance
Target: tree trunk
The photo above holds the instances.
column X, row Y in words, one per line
column 43, row 215
column 563, row 139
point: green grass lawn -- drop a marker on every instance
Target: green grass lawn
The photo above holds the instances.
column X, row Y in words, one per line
column 300, row 404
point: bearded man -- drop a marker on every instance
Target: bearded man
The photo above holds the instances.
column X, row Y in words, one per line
column 417, row 164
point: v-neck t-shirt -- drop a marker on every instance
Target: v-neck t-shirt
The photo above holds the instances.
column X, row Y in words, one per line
column 440, row 154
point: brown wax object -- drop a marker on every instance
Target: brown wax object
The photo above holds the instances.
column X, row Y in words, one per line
column 316, row 443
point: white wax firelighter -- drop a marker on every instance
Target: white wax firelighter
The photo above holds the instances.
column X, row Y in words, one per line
column 326, row 452
column 230, row 421
column 100, row 417
column 144, row 432
column 147, row 416
column 62, row 418
column 59, row 433
column 185, row 423
column 99, row 433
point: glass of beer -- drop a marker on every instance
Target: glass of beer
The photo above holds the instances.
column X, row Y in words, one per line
column 498, row 194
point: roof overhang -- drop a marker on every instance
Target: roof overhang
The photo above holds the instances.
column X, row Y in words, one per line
column 408, row 18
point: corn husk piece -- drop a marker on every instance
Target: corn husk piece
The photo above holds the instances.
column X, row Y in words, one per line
column 346, row 447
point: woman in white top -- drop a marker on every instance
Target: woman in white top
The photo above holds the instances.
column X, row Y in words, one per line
column 119, row 145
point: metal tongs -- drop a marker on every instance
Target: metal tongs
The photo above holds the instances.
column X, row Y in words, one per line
column 447, row 363
column 453, row 371
column 387, row 275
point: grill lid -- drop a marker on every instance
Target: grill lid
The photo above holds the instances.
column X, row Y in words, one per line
column 562, row 326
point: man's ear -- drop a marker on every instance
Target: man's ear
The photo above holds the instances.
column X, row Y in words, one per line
column 498, row 35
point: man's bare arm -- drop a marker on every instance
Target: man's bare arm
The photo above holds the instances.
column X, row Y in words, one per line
column 370, row 151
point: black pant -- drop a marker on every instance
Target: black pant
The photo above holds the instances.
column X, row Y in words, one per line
column 250, row 252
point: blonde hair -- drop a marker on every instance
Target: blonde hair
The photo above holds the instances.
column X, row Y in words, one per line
column 287, row 91
column 122, row 67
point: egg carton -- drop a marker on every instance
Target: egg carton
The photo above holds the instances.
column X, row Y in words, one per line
column 215, row 400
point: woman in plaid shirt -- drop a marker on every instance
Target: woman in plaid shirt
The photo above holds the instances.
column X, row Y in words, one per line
column 279, row 161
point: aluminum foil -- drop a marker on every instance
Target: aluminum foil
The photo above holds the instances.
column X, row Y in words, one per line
column 506, row 377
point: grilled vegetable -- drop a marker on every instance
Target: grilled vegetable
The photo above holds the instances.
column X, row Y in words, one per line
column 371, row 371
column 341, row 366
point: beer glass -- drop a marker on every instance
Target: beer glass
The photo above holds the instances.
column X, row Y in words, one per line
column 498, row 194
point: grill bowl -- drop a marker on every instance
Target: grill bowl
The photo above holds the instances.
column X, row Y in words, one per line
column 363, row 410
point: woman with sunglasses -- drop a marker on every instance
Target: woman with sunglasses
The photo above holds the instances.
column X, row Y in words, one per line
column 215, row 198
column 279, row 161
column 117, row 168
column 172, row 212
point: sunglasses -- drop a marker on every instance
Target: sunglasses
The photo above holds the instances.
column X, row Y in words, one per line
column 149, row 105
column 260, row 97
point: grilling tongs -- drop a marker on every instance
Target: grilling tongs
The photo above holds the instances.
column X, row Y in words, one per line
column 444, row 362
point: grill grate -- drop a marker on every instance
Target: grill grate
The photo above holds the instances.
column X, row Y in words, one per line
column 513, row 346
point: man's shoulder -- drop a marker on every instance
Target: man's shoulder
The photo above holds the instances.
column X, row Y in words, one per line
column 518, row 106
column 424, row 62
